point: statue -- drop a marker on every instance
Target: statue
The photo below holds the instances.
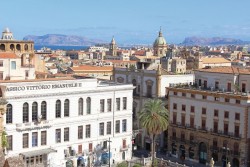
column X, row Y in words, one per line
column 212, row 162
column 228, row 164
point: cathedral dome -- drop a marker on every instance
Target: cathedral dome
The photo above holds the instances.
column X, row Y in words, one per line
column 6, row 30
column 160, row 40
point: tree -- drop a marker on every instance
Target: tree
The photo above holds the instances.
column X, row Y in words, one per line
column 154, row 118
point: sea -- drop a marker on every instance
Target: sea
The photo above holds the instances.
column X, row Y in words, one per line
column 52, row 47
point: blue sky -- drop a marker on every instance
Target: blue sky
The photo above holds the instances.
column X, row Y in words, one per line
column 130, row 21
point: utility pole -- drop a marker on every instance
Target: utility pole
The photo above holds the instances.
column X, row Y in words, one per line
column 109, row 150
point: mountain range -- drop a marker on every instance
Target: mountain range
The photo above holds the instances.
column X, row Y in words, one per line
column 213, row 41
column 74, row 40
column 62, row 40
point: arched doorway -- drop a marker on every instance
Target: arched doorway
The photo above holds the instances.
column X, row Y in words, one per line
column 2, row 47
column 182, row 152
column 202, row 153
column 236, row 162
column 174, row 148
column 191, row 153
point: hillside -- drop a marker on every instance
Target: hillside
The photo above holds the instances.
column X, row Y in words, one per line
column 62, row 40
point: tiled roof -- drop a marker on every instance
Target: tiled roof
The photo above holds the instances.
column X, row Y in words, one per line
column 5, row 55
column 92, row 68
column 214, row 60
column 121, row 61
column 226, row 70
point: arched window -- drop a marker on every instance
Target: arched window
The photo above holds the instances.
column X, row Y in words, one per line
column 25, row 112
column 44, row 110
column 149, row 84
column 80, row 106
column 88, row 105
column 2, row 47
column 58, row 109
column 9, row 114
column 134, row 84
column 66, row 108
column 12, row 47
column 34, row 111
column 26, row 47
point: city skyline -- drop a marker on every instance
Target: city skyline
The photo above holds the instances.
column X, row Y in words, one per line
column 130, row 22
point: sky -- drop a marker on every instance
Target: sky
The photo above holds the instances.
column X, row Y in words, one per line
column 129, row 21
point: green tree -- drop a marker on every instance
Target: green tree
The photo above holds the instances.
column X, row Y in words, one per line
column 154, row 118
column 122, row 164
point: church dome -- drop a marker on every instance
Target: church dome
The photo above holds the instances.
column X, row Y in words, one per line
column 6, row 30
column 160, row 40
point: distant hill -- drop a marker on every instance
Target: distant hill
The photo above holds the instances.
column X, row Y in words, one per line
column 62, row 40
column 213, row 41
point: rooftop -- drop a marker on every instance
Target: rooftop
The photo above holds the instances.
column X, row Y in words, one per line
column 212, row 60
column 225, row 70
column 92, row 68
column 5, row 55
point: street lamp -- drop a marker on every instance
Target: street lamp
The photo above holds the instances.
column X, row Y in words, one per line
column 227, row 149
column 109, row 150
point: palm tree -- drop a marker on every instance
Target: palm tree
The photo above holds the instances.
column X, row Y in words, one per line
column 154, row 118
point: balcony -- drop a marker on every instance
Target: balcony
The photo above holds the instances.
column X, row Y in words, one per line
column 33, row 125
column 124, row 148
column 192, row 127
column 203, row 129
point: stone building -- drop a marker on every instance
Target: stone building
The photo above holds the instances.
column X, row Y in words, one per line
column 211, row 118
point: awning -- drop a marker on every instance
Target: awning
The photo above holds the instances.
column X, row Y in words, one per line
column 38, row 152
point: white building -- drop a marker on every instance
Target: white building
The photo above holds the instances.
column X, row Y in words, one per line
column 53, row 122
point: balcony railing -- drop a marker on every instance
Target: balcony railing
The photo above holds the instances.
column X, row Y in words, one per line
column 33, row 125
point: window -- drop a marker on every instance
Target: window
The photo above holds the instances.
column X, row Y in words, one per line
column 25, row 140
column 117, row 126
column 102, row 105
column 25, row 112
column 205, row 84
column 10, row 142
column 88, row 105
column 226, row 114
column 243, row 87
column 124, row 125
column 80, row 132
column 192, row 122
column 174, row 117
column 58, row 109
column 192, row 109
column 26, row 73
column 216, row 85
column 124, row 101
column 88, row 131
column 34, row 139
column 203, row 124
column 236, row 130
column 183, row 107
column 192, row 95
column 124, row 143
column 58, row 135
column 66, row 108
column 174, row 106
column 227, row 100
column 66, row 134
column 34, row 111
column 1, row 63
column 90, row 147
column 216, row 113
column 13, row 65
column 183, row 94
column 204, row 97
column 215, row 127
column 44, row 110
column 101, row 129
column 216, row 98
column 237, row 101
column 109, row 101
column 226, row 128
column 79, row 149
column 149, row 90
column 204, row 111
column 43, row 138
column 80, row 106
column 182, row 136
column 108, row 128
column 9, row 114
column 229, row 86
column 118, row 107
column 237, row 116
column 175, row 93
column 1, row 75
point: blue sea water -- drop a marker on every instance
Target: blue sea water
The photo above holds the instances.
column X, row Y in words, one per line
column 37, row 47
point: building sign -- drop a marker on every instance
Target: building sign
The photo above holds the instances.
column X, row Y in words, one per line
column 42, row 87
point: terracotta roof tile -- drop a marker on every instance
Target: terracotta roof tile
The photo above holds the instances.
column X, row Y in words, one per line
column 5, row 55
column 92, row 68
column 226, row 70
column 214, row 60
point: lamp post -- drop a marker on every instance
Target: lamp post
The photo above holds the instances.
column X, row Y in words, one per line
column 227, row 149
column 109, row 150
